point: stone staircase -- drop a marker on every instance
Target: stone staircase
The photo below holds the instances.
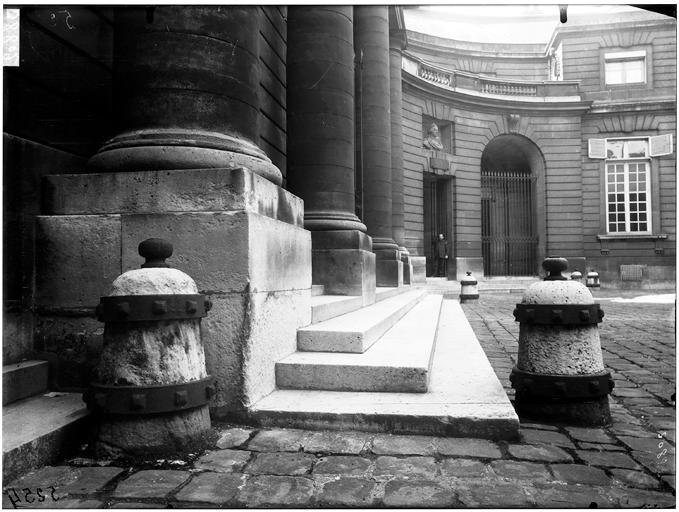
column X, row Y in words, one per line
column 38, row 426
column 410, row 363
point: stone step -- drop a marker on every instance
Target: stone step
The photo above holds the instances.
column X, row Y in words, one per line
column 464, row 398
column 23, row 379
column 357, row 330
column 317, row 289
column 41, row 430
column 398, row 362
column 385, row 292
column 325, row 307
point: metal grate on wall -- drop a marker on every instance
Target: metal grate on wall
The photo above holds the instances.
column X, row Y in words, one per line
column 631, row 272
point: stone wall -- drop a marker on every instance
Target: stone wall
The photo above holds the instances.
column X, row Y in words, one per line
column 240, row 237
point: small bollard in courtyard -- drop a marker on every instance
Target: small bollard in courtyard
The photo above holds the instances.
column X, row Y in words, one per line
column 560, row 374
column 576, row 275
column 469, row 289
column 152, row 389
column 592, row 280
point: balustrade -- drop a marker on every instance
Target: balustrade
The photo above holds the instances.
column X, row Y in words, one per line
column 468, row 81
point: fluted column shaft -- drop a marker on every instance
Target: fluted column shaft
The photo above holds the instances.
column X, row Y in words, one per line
column 320, row 109
column 371, row 40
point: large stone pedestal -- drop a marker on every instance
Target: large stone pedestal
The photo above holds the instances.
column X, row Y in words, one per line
column 238, row 235
column 388, row 268
column 344, row 263
column 407, row 268
column 419, row 269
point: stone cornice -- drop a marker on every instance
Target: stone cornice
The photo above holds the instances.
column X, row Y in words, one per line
column 569, row 31
column 429, row 43
column 600, row 108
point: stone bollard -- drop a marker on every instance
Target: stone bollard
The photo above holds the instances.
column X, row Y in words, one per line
column 469, row 289
column 576, row 275
column 152, row 389
column 592, row 280
column 560, row 374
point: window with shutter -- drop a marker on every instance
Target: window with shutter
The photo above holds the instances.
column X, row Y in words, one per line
column 661, row 145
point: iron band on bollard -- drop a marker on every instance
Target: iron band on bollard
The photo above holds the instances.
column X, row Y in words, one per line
column 141, row 308
column 152, row 389
column 139, row 400
column 559, row 314
column 560, row 375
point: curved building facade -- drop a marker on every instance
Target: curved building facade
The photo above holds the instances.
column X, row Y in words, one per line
column 546, row 149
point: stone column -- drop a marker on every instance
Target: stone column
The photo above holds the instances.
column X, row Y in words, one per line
column 371, row 41
column 396, row 43
column 194, row 86
column 186, row 82
column 320, row 101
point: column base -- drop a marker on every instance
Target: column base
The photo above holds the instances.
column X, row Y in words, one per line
column 162, row 149
column 389, row 273
column 343, row 262
column 407, row 267
column 419, row 272
column 345, row 272
column 464, row 265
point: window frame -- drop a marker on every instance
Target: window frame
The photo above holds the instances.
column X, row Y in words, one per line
column 623, row 57
column 647, row 50
column 626, row 162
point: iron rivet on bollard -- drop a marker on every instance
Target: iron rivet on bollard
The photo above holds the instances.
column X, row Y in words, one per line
column 181, row 398
column 159, row 307
column 123, row 309
column 138, row 402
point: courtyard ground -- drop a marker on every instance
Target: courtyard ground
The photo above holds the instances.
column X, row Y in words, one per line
column 630, row 463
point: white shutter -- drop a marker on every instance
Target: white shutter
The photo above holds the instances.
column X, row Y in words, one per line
column 597, row 148
column 661, row 145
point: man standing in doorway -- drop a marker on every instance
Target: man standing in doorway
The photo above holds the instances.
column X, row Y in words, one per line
column 441, row 255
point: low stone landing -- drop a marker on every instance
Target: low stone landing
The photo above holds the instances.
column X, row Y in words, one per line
column 464, row 397
column 40, row 430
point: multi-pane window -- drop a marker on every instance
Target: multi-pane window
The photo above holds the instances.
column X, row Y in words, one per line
column 625, row 67
column 628, row 200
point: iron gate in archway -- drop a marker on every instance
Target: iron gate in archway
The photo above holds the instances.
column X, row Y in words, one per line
column 508, row 228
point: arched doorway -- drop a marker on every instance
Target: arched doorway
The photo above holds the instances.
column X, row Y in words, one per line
column 512, row 169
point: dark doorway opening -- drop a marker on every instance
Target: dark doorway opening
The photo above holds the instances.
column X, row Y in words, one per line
column 437, row 219
column 509, row 234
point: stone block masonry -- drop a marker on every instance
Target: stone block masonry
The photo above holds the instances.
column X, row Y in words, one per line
column 238, row 235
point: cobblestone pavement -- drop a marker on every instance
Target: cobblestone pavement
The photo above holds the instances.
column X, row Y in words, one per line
column 629, row 464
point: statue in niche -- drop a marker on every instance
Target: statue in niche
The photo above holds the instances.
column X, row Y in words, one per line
column 433, row 140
